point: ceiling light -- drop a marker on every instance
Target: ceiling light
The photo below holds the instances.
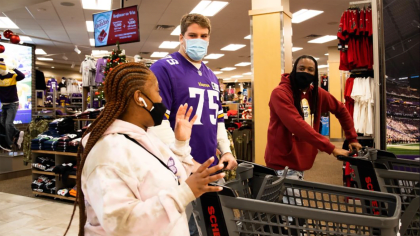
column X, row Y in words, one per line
column 169, row 44
column 96, row 4
column 5, row 22
column 237, row 76
column 323, row 39
column 92, row 42
column 25, row 39
column 52, row 67
column 77, row 50
column 176, row 31
column 159, row 54
column 89, row 26
column 248, row 37
column 243, row 64
column 209, row 8
column 316, row 58
column 233, row 47
column 326, row 54
column 44, row 59
column 322, row 66
column 304, row 14
column 72, row 65
column 100, row 52
column 205, row 62
column 236, row 80
column 294, row 49
column 39, row 51
column 228, row 69
column 217, row 72
column 226, row 78
column 214, row 56
column 65, row 58
column 247, row 73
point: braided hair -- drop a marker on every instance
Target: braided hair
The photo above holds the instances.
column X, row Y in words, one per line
column 121, row 84
column 297, row 92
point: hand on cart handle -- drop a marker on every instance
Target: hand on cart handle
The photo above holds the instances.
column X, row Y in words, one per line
column 230, row 160
column 355, row 147
column 199, row 181
column 340, row 152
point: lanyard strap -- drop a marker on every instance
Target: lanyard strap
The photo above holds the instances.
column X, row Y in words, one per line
column 161, row 162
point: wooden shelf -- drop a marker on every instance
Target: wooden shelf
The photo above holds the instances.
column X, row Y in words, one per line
column 54, row 196
column 42, row 172
column 72, row 176
column 55, row 153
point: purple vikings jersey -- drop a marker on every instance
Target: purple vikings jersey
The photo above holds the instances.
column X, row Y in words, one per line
column 181, row 82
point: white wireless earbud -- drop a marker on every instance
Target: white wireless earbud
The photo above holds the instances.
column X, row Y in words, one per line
column 142, row 100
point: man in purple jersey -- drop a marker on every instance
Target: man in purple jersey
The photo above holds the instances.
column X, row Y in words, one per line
column 184, row 78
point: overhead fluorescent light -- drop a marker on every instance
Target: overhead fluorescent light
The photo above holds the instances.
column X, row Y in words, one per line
column 205, row 62
column 39, row 51
column 96, row 4
column 248, row 37
column 25, row 39
column 44, row 59
column 169, row 44
column 100, row 52
column 237, row 76
column 322, row 66
column 177, row 31
column 294, row 49
column 247, row 73
column 326, row 54
column 159, row 54
column 226, row 78
column 209, row 8
column 214, row 56
column 304, row 14
column 64, row 57
column 243, row 64
column 92, row 42
column 77, row 50
column 316, row 58
column 72, row 65
column 233, row 47
column 217, row 72
column 52, row 67
column 236, row 80
column 323, row 39
column 89, row 25
column 228, row 69
column 5, row 22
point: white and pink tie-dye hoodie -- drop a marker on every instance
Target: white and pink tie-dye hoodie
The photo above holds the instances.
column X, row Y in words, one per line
column 129, row 192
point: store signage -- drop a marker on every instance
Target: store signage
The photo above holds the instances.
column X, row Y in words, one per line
column 121, row 25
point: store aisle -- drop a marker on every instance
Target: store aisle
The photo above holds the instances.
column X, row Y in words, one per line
column 34, row 216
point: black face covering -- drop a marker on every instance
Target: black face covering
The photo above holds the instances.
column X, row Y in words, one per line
column 303, row 79
column 157, row 111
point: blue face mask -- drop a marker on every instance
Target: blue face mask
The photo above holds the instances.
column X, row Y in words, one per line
column 196, row 49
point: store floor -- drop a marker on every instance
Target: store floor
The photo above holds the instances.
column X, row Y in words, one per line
column 39, row 216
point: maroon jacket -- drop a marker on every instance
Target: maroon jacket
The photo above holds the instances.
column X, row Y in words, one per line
column 291, row 141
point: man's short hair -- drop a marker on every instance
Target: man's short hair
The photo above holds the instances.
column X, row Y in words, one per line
column 198, row 19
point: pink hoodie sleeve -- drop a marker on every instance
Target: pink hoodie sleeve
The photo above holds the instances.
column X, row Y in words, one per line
column 120, row 212
column 182, row 150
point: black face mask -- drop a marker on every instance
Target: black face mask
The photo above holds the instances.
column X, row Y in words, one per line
column 303, row 79
column 157, row 111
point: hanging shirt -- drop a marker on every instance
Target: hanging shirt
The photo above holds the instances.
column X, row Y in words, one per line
column 182, row 82
column 86, row 65
column 349, row 102
column 324, row 82
column 100, row 70
column 52, row 83
column 306, row 109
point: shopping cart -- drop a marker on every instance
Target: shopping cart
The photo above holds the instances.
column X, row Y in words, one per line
column 253, row 204
column 377, row 170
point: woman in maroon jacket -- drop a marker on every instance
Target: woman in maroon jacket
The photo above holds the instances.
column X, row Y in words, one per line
column 295, row 110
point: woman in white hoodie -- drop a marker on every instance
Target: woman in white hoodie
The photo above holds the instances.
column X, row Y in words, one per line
column 129, row 182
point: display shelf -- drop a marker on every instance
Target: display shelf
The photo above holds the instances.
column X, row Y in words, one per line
column 54, row 196
column 73, row 176
column 43, row 172
column 55, row 153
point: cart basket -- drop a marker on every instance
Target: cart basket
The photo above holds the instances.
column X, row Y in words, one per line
column 318, row 209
